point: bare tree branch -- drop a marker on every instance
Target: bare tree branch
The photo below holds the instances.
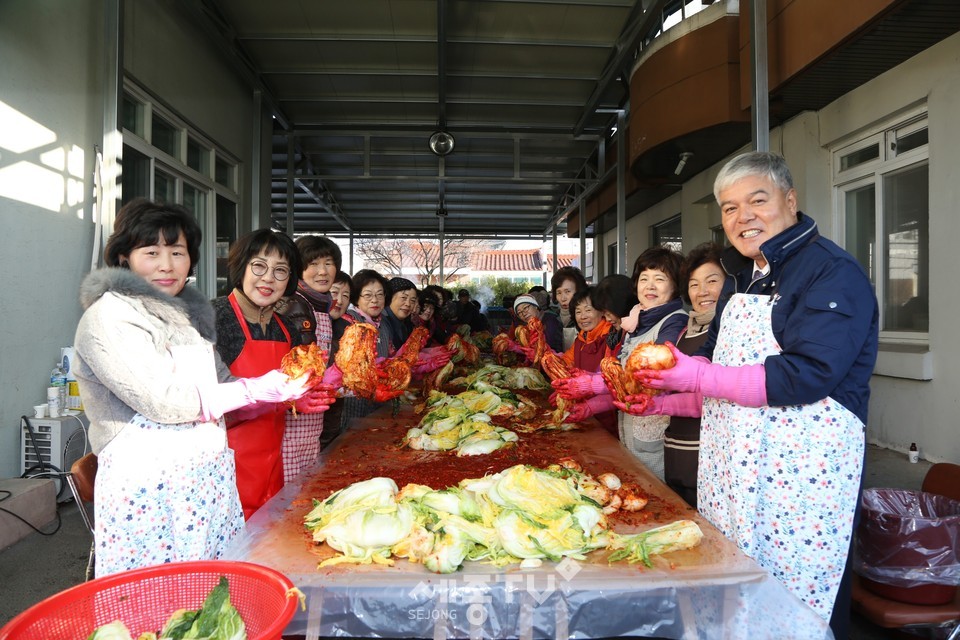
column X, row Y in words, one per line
column 392, row 256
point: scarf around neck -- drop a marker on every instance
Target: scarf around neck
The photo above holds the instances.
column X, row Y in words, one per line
column 319, row 301
column 700, row 321
column 599, row 332
column 365, row 318
column 648, row 317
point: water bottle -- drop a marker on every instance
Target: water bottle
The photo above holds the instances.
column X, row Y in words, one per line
column 58, row 379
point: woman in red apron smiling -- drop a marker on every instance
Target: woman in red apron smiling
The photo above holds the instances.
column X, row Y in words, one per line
column 252, row 340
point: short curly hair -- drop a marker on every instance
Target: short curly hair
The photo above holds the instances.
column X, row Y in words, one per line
column 364, row 277
column 662, row 259
column 614, row 293
column 142, row 223
column 706, row 253
column 563, row 274
column 268, row 241
column 314, row 247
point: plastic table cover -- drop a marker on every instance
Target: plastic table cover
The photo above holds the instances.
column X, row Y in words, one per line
column 712, row 591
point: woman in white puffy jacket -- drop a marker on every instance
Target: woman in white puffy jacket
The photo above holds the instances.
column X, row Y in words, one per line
column 154, row 392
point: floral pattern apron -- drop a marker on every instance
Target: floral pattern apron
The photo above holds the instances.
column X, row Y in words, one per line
column 780, row 481
column 166, row 492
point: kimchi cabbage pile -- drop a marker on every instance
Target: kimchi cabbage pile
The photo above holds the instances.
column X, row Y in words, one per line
column 521, row 514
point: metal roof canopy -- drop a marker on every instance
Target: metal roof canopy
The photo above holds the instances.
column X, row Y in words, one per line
column 529, row 89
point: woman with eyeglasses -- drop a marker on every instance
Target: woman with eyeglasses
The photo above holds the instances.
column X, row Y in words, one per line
column 251, row 339
column 368, row 298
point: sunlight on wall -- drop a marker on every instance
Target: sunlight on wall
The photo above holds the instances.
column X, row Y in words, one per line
column 20, row 134
column 51, row 179
column 31, row 184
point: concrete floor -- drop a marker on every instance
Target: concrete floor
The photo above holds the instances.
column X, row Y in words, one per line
column 39, row 566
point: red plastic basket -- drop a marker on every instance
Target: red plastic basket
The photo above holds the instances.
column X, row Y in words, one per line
column 144, row 599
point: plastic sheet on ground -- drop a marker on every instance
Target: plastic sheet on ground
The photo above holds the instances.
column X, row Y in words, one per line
column 711, row 591
column 908, row 538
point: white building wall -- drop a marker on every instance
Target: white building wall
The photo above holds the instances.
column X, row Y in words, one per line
column 176, row 61
column 50, row 119
column 638, row 231
column 902, row 410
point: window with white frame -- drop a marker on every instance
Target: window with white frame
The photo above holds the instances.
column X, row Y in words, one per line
column 165, row 159
column 881, row 183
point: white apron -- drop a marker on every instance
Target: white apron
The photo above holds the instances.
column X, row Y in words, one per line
column 643, row 435
column 780, row 481
column 166, row 492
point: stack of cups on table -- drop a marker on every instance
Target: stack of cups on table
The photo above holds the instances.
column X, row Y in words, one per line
column 53, row 402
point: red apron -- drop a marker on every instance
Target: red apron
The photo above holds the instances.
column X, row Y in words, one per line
column 256, row 442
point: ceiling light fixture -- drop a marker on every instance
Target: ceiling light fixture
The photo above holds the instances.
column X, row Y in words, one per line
column 441, row 143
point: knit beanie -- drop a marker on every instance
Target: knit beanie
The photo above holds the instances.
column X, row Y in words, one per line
column 525, row 299
column 400, row 284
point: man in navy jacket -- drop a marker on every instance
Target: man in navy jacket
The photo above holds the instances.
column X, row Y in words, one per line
column 783, row 386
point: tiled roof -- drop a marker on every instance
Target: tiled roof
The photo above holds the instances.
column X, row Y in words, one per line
column 563, row 260
column 508, row 260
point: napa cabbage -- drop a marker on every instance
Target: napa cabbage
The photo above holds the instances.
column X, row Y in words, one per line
column 525, row 536
column 484, row 402
column 682, row 534
column 115, row 630
column 533, row 491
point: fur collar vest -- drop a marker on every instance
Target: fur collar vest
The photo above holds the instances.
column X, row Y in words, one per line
column 190, row 303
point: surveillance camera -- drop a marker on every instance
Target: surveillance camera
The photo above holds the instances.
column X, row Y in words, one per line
column 686, row 155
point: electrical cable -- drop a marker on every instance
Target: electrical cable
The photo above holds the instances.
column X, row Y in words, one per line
column 41, row 470
column 44, row 469
column 8, row 495
column 83, row 427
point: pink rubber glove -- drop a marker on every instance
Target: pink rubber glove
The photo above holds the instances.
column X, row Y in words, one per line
column 516, row 347
column 685, row 405
column 580, row 386
column 436, row 352
column 430, row 363
column 251, row 411
column 333, row 377
column 438, row 359
column 273, row 386
column 590, row 407
column 421, row 368
column 317, row 400
column 746, row 386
